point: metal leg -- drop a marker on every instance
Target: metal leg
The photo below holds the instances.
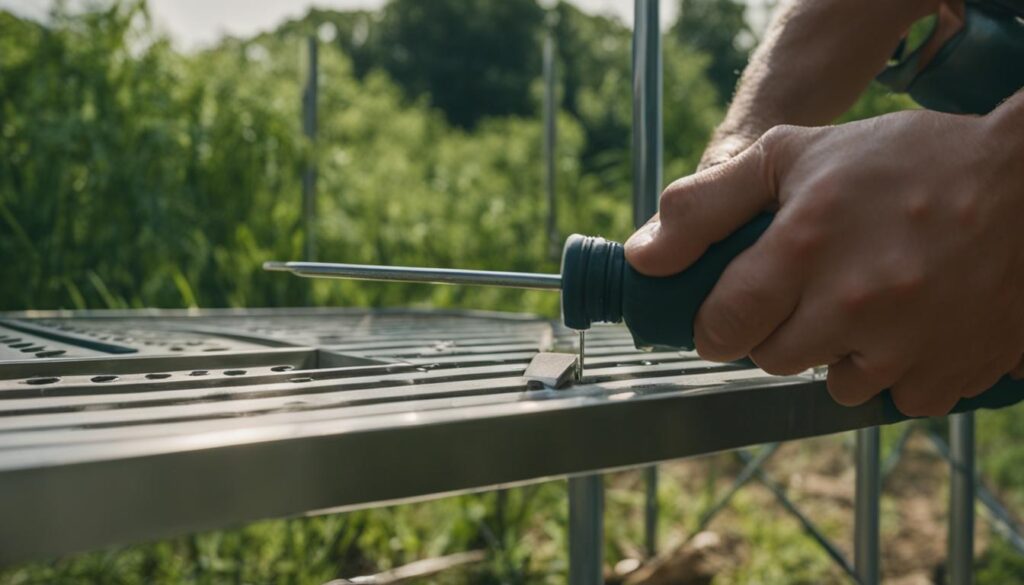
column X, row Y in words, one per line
column 651, row 511
column 647, row 159
column 309, row 174
column 961, row 499
column 586, row 529
column 998, row 516
column 868, row 489
column 647, row 131
column 550, row 137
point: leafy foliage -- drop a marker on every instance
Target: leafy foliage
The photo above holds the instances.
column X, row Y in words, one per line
column 718, row 28
column 472, row 58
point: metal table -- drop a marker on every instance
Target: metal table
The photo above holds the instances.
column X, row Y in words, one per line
column 118, row 427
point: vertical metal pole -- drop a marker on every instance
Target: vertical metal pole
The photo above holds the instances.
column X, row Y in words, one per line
column 550, row 136
column 647, row 155
column 868, row 489
column 309, row 174
column 647, row 131
column 961, row 499
column 651, row 511
column 586, row 529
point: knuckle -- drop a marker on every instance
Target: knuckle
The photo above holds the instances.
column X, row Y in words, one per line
column 909, row 283
column 908, row 401
column 676, row 202
column 881, row 371
column 825, row 196
column 972, row 389
column 775, row 363
column 918, row 401
column 800, row 241
column 982, row 382
column 897, row 285
column 772, row 145
column 917, row 207
column 854, row 298
column 711, row 344
column 902, row 273
column 776, row 136
column 967, row 211
column 844, row 390
column 720, row 329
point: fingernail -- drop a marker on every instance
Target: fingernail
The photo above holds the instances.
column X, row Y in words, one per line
column 644, row 235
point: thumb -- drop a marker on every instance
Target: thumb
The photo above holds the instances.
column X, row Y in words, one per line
column 701, row 209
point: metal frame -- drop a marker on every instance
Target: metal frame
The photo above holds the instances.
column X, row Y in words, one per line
column 310, row 99
column 866, row 507
column 550, row 137
column 647, row 179
column 74, row 478
column 409, row 405
column 961, row 499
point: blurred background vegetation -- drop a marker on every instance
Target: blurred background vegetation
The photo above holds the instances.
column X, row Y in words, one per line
column 136, row 175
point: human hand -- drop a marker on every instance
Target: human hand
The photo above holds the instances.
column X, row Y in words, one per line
column 896, row 256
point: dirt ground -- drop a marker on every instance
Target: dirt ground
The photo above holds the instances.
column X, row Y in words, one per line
column 818, row 476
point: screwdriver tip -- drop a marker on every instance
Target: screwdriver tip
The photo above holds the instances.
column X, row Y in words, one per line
column 276, row 266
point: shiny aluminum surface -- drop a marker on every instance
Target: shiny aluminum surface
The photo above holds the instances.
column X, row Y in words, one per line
column 154, row 424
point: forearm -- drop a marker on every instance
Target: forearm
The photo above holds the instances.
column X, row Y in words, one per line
column 815, row 60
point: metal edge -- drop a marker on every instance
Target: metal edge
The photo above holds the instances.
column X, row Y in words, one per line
column 69, row 508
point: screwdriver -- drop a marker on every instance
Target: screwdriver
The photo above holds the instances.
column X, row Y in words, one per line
column 597, row 284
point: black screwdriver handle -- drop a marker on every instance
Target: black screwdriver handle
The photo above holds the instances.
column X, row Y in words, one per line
column 598, row 285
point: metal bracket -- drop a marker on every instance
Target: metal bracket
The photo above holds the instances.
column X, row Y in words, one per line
column 551, row 370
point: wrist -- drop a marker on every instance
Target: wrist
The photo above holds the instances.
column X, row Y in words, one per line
column 723, row 147
column 1009, row 119
column 729, row 140
column 1004, row 134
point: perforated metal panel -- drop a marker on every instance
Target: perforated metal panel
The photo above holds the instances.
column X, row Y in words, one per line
column 151, row 424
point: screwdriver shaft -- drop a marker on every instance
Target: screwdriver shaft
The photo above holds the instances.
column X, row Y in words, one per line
column 413, row 274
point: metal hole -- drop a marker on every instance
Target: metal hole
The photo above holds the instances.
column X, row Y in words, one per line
column 21, row 345
column 33, row 349
column 12, row 340
column 177, row 348
column 214, row 349
column 199, row 372
column 234, row 372
column 301, row 379
column 157, row 376
column 51, row 353
column 282, row 368
column 104, row 378
column 43, row 380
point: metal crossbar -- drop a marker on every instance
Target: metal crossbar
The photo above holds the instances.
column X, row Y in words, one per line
column 867, row 569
